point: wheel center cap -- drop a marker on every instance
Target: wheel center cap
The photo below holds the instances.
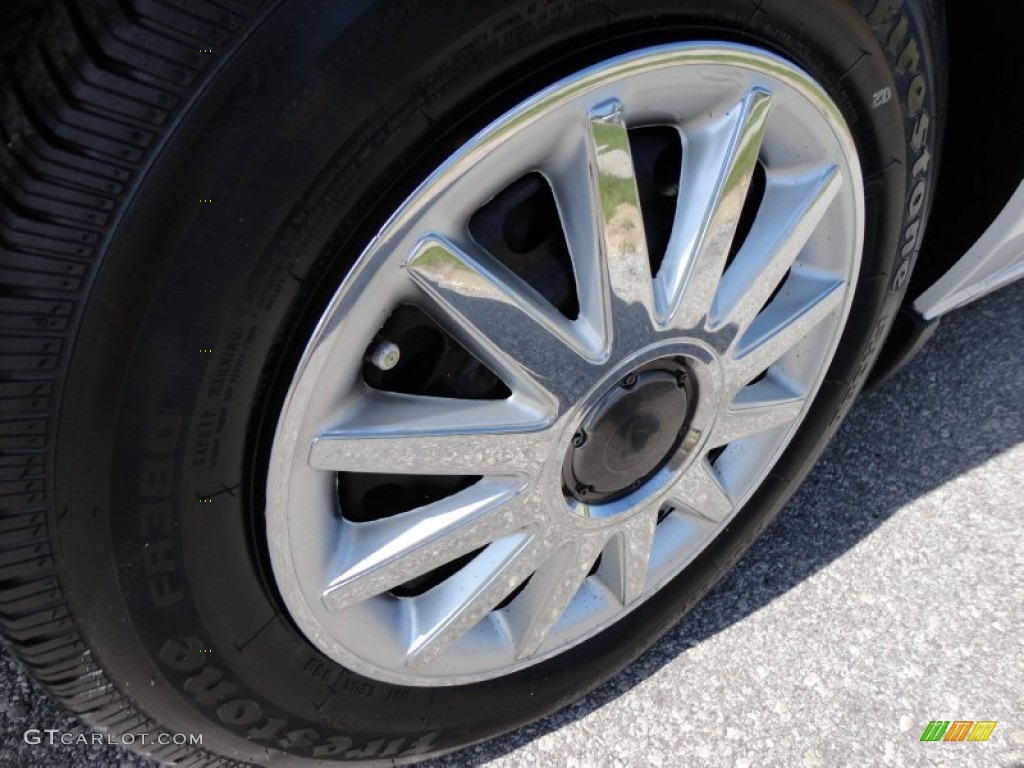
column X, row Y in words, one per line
column 629, row 434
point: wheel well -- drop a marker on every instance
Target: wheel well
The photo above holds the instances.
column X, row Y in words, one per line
column 982, row 162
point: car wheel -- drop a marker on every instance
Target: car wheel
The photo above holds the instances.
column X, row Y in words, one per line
column 378, row 380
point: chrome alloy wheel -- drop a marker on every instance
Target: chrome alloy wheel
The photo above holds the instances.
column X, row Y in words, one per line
column 631, row 430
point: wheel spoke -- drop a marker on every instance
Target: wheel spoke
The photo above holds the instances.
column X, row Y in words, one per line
column 596, row 192
column 620, row 220
column 551, row 589
column 805, row 301
column 758, row 408
column 790, row 212
column 626, row 559
column 380, row 555
column 718, row 164
column 452, row 608
column 700, row 491
column 412, row 434
column 522, row 337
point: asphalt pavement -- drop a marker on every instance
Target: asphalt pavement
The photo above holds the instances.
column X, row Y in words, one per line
column 888, row 593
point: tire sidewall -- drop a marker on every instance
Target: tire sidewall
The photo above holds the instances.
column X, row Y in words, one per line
column 311, row 136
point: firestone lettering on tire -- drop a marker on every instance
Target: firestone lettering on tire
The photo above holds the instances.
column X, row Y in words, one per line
column 892, row 27
column 895, row 32
column 209, row 686
column 156, row 510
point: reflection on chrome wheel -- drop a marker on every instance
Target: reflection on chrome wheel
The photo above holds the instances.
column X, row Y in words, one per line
column 564, row 365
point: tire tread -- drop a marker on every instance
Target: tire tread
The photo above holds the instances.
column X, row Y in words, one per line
column 88, row 91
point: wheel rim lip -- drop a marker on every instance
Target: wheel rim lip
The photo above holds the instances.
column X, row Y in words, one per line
column 288, row 437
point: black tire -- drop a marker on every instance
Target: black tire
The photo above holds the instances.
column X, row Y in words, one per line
column 17, row 20
column 307, row 129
